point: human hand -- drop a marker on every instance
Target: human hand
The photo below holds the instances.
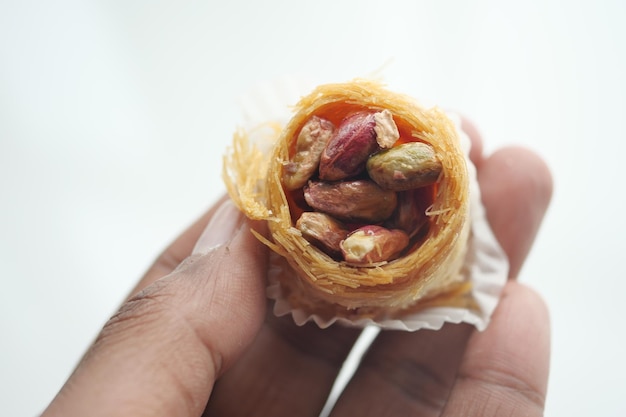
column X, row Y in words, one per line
column 194, row 338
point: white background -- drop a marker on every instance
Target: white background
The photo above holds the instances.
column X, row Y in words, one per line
column 114, row 116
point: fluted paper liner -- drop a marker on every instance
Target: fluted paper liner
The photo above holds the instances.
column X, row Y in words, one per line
column 454, row 275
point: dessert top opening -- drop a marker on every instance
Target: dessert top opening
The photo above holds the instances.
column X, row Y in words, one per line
column 359, row 181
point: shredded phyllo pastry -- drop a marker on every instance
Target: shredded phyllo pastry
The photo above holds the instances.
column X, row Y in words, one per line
column 366, row 197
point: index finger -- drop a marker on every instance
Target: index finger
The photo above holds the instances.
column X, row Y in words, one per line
column 516, row 189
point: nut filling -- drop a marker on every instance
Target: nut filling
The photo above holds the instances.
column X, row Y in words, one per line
column 359, row 187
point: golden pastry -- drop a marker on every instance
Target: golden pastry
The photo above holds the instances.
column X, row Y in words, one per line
column 366, row 195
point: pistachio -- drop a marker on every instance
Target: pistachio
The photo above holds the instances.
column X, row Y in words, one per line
column 372, row 244
column 323, row 231
column 348, row 149
column 353, row 201
column 404, row 167
column 310, row 144
column 410, row 213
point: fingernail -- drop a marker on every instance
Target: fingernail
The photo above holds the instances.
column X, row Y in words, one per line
column 221, row 228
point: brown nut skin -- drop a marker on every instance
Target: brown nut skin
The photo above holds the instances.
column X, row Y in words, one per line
column 349, row 147
column 373, row 244
column 405, row 167
column 351, row 201
column 410, row 214
column 322, row 231
column 310, row 144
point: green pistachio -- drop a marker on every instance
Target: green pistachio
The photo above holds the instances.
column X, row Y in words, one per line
column 405, row 167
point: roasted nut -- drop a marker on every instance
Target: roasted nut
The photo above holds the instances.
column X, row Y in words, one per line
column 310, row 144
column 352, row 201
column 348, row 149
column 372, row 244
column 404, row 167
column 410, row 214
column 323, row 231
column 358, row 136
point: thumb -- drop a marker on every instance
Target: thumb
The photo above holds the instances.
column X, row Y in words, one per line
column 161, row 353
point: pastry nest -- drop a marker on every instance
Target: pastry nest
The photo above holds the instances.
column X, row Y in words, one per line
column 430, row 274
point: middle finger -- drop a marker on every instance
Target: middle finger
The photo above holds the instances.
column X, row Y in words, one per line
column 406, row 373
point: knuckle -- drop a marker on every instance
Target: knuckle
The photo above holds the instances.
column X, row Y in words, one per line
column 148, row 307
